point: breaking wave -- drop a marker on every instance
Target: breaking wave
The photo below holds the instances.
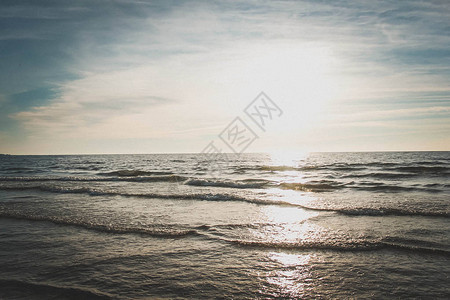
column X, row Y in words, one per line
column 351, row 246
column 373, row 212
column 391, row 212
column 313, row 186
column 134, row 173
column 239, row 184
column 156, row 178
column 187, row 196
column 318, row 186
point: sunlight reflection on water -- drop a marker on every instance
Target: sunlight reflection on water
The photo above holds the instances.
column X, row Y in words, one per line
column 290, row 225
column 292, row 275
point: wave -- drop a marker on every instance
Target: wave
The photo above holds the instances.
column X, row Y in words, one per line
column 318, row 186
column 134, row 173
column 234, row 226
column 277, row 168
column 350, row 246
column 313, row 186
column 174, row 231
column 380, row 175
column 381, row 187
column 87, row 168
column 413, row 166
column 192, row 196
column 107, row 228
column 417, row 167
column 373, row 212
column 343, row 168
column 239, row 184
column 280, row 168
column 18, row 169
column 413, row 242
column 421, row 169
column 391, row 212
column 168, row 178
column 381, row 211
column 435, row 185
column 264, row 168
column 88, row 162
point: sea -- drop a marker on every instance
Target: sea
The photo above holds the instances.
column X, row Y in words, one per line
column 252, row 226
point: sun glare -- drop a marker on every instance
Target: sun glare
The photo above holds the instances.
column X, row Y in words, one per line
column 288, row 158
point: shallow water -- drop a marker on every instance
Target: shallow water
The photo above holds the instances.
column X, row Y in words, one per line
column 330, row 225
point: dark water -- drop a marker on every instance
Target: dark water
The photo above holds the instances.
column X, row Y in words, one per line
column 322, row 225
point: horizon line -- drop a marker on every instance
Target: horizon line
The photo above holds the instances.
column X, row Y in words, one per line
column 227, row 153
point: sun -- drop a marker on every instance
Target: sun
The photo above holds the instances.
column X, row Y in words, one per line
column 288, row 158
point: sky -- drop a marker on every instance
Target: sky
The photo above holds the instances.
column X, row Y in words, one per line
column 88, row 77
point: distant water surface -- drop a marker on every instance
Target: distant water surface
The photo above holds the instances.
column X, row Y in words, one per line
column 322, row 225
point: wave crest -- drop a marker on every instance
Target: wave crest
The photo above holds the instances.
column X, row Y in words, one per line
column 351, row 246
column 313, row 186
column 106, row 228
column 134, row 173
column 192, row 196
column 238, row 184
column 156, row 178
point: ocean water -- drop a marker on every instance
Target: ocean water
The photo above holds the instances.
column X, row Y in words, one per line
column 319, row 225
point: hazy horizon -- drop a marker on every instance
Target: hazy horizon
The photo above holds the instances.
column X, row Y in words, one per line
column 227, row 153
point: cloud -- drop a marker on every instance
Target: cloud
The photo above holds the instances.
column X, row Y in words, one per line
column 158, row 69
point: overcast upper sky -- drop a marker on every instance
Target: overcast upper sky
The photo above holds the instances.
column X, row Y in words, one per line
column 169, row 76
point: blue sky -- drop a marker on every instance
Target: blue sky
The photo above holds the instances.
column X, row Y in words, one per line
column 168, row 76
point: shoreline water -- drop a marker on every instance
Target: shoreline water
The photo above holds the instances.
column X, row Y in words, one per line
column 325, row 225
